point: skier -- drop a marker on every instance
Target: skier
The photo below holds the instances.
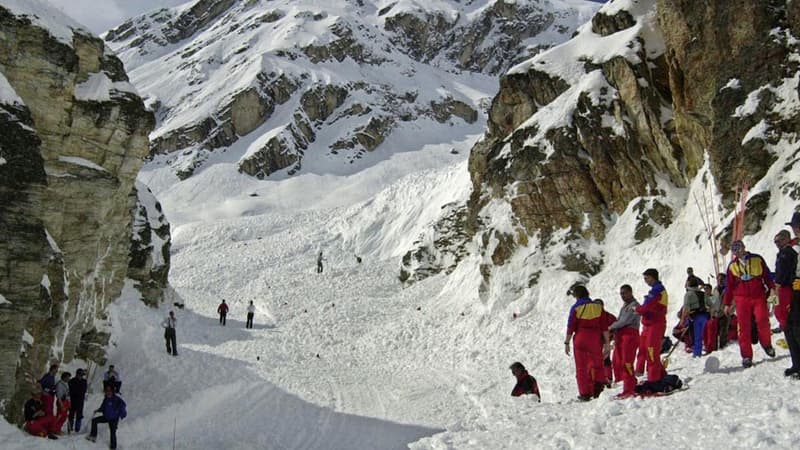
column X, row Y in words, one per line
column 319, row 262
column 37, row 421
column 526, row 384
column 626, row 340
column 747, row 282
column 222, row 309
column 587, row 322
column 48, row 384
column 169, row 325
column 112, row 378
column 785, row 270
column 691, row 276
column 251, row 311
column 654, row 323
column 695, row 313
column 77, row 394
column 62, row 401
column 792, row 331
column 113, row 410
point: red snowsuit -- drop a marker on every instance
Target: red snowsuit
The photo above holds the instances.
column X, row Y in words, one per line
column 38, row 425
column 588, row 321
column 654, row 324
column 747, row 282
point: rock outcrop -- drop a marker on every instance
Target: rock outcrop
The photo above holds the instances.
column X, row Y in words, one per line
column 637, row 101
column 73, row 135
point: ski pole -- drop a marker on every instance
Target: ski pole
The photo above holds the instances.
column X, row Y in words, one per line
column 665, row 360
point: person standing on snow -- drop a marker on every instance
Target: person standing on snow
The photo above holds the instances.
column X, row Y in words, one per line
column 526, row 384
column 62, row 401
column 48, row 384
column 77, row 394
column 747, row 282
column 711, row 332
column 792, row 331
column 319, row 262
column 626, row 339
column 654, row 323
column 113, row 410
column 222, row 309
column 691, row 276
column 169, row 324
column 785, row 270
column 587, row 324
column 112, row 378
column 251, row 311
column 695, row 313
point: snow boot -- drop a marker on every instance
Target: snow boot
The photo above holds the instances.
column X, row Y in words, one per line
column 747, row 363
column 91, row 438
column 52, row 436
column 791, row 371
column 770, row 351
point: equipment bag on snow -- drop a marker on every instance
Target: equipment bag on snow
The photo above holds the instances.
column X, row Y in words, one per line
column 667, row 384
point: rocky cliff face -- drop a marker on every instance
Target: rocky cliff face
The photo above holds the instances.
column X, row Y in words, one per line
column 631, row 108
column 73, row 137
column 272, row 83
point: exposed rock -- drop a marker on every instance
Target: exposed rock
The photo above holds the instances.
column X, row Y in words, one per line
column 150, row 245
column 72, row 148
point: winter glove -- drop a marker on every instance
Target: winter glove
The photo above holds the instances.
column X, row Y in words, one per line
column 566, row 348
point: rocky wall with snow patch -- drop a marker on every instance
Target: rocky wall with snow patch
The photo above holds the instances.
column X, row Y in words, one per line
column 627, row 111
column 73, row 137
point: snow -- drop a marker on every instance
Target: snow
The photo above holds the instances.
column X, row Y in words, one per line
column 81, row 162
column 2, row 161
column 52, row 242
column 99, row 88
column 7, row 93
column 44, row 15
column 27, row 338
column 3, row 300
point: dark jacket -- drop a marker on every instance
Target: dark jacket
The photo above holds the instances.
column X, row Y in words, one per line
column 526, row 384
column 785, row 266
column 113, row 408
column 32, row 406
column 77, row 390
column 48, row 383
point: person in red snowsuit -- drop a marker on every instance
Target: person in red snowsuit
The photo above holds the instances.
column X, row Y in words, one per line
column 588, row 323
column 526, row 384
column 37, row 422
column 747, row 282
column 626, row 341
column 222, row 309
column 785, row 269
column 654, row 324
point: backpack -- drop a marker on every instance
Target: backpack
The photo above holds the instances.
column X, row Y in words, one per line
column 665, row 385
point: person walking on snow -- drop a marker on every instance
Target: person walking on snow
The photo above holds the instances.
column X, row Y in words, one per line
column 169, row 324
column 77, row 394
column 251, row 311
column 695, row 313
column 37, row 422
column 48, row 384
column 62, row 401
column 654, row 323
column 112, row 410
column 222, row 309
column 319, row 262
column 747, row 283
column 526, row 384
column 112, row 378
column 792, row 331
column 626, row 339
column 785, row 270
column 587, row 325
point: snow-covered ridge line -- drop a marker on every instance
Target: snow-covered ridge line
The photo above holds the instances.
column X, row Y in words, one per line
column 7, row 93
column 41, row 13
column 81, row 162
column 99, row 88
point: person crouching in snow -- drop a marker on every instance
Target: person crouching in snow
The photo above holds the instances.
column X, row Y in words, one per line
column 113, row 410
column 587, row 323
column 37, row 422
column 654, row 324
column 526, row 384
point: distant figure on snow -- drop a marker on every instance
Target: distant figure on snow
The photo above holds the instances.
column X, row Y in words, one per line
column 169, row 325
column 251, row 311
column 222, row 309
column 319, row 262
column 112, row 378
column 37, row 422
column 358, row 259
column 77, row 394
column 526, row 384
column 113, row 410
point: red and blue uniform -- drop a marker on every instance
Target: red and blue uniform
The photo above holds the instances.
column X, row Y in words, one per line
column 654, row 325
column 747, row 282
column 588, row 321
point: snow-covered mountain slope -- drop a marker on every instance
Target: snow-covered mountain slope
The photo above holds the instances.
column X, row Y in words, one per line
column 279, row 87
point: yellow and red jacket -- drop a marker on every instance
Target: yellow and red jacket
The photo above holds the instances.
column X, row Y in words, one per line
column 748, row 276
column 654, row 306
column 587, row 315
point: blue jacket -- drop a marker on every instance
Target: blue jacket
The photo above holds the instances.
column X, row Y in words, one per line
column 48, row 383
column 113, row 408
